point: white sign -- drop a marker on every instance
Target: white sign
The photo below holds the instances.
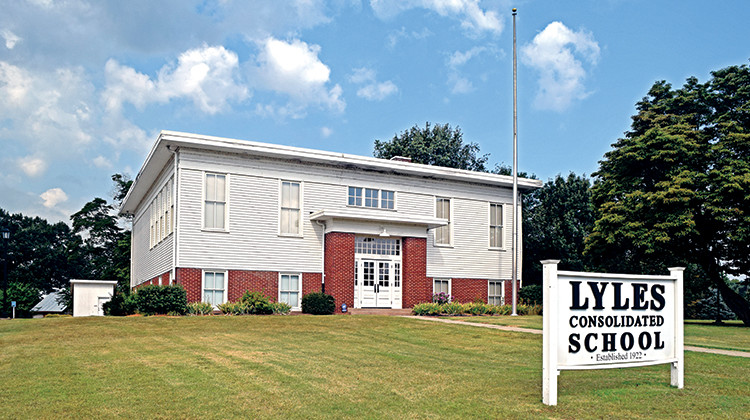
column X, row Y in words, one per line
column 603, row 321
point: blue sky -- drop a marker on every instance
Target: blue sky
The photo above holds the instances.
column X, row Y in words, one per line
column 85, row 86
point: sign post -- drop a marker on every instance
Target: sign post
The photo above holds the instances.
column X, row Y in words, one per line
column 606, row 321
column 13, row 305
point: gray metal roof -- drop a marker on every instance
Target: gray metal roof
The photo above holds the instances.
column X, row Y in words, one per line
column 49, row 304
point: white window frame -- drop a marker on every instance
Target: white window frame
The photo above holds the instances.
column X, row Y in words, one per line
column 301, row 197
column 450, row 222
column 226, row 202
column 226, row 283
column 502, row 290
column 161, row 211
column 299, row 291
column 490, row 225
column 378, row 198
column 442, row 279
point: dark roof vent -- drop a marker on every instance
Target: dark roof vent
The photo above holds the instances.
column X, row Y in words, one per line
column 401, row 159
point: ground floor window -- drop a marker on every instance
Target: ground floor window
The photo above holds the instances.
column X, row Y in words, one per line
column 290, row 290
column 214, row 287
column 441, row 286
column 495, row 293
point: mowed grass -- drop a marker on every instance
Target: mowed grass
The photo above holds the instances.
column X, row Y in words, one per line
column 327, row 367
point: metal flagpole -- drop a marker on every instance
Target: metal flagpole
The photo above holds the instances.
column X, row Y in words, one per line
column 514, row 247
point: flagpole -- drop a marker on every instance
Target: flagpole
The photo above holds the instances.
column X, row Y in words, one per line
column 514, row 247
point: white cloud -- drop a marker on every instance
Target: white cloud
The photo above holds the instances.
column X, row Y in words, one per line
column 11, row 39
column 473, row 18
column 32, row 166
column 325, row 132
column 53, row 197
column 459, row 58
column 395, row 37
column 294, row 69
column 559, row 54
column 372, row 89
column 460, row 85
column 208, row 76
column 102, row 162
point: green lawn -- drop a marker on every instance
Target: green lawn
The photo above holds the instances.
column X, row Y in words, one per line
column 327, row 367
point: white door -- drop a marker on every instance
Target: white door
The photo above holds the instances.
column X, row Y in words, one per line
column 374, row 285
column 100, row 305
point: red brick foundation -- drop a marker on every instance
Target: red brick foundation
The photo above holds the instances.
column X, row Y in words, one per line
column 416, row 288
column 339, row 268
column 509, row 290
column 160, row 280
column 190, row 279
column 469, row 290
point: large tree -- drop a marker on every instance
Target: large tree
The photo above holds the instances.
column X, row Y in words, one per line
column 439, row 145
column 675, row 189
column 557, row 219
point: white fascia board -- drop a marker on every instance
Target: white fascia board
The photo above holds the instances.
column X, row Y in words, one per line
column 396, row 218
column 160, row 155
column 104, row 282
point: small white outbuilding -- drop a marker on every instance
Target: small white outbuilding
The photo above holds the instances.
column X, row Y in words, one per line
column 89, row 296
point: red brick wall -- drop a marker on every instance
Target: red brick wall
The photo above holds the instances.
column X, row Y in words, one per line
column 155, row 281
column 190, row 279
column 508, row 285
column 310, row 283
column 339, row 268
column 467, row 290
column 241, row 281
column 416, row 288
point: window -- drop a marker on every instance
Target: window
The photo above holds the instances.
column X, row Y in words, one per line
column 443, row 211
column 496, row 225
column 215, row 202
column 355, row 196
column 214, row 287
column 290, row 289
column 377, row 246
column 441, row 286
column 495, row 292
column 373, row 198
column 397, row 275
column 290, row 208
column 161, row 214
column 386, row 199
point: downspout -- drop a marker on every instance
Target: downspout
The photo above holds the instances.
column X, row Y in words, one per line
column 174, row 213
column 322, row 257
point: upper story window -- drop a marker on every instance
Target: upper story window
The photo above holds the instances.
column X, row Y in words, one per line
column 215, row 209
column 496, row 225
column 289, row 223
column 371, row 197
column 161, row 213
column 443, row 211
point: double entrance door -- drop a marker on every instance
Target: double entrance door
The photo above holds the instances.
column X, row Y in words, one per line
column 377, row 283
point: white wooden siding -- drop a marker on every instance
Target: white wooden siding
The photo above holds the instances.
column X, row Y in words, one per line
column 253, row 243
column 149, row 263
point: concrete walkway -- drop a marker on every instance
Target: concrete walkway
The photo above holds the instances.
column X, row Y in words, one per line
column 539, row 332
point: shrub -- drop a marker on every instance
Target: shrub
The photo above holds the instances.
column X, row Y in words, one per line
column 199, row 308
column 281, row 308
column 227, row 308
column 121, row 304
column 453, row 308
column 422, row 309
column 318, row 303
column 441, row 298
column 256, row 303
column 152, row 299
column 531, row 294
column 478, row 308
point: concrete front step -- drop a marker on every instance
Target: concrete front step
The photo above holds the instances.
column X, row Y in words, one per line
column 378, row 311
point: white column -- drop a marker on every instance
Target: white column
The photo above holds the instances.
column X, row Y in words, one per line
column 549, row 339
column 678, row 367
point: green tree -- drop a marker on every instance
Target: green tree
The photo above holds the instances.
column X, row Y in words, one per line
column 675, row 189
column 42, row 257
column 556, row 221
column 439, row 145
